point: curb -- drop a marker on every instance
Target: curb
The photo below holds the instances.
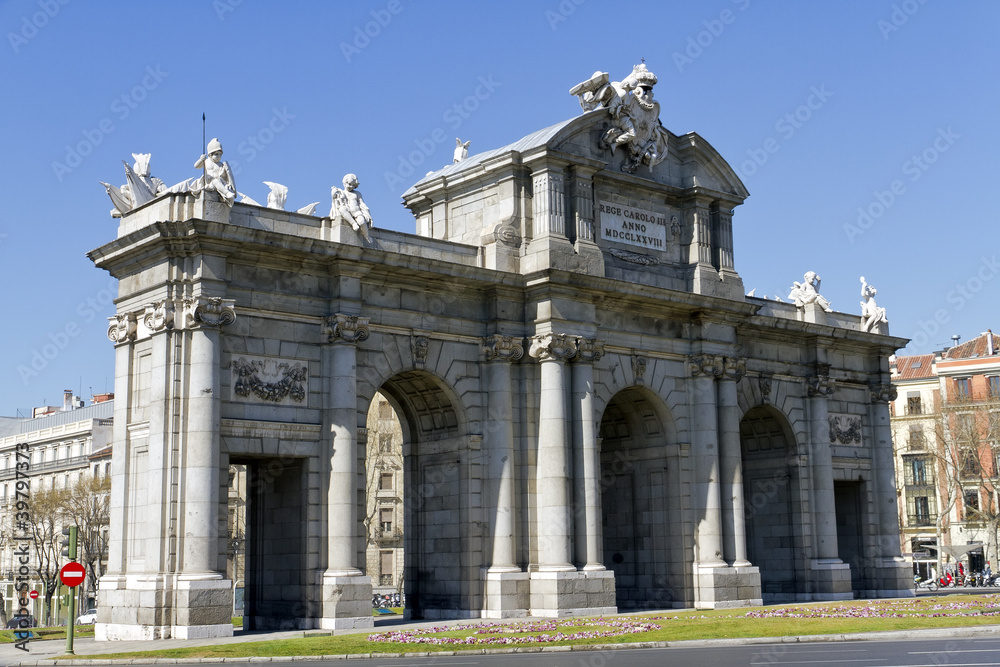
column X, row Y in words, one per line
column 930, row 633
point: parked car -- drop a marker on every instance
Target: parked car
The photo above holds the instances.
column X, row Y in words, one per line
column 88, row 618
column 18, row 622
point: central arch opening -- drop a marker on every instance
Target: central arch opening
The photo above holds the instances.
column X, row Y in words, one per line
column 639, row 502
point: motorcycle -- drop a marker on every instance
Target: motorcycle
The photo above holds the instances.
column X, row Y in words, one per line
column 929, row 584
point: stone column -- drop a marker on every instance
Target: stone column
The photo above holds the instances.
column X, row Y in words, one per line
column 346, row 592
column 506, row 590
column 734, row 547
column 824, row 509
column 586, row 457
column 122, row 332
column 895, row 574
column 205, row 318
column 553, row 523
column 502, row 350
column 547, row 208
column 705, row 487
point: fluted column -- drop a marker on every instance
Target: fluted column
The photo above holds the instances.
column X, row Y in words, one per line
column 734, row 545
column 587, row 457
column 502, row 350
column 705, row 487
column 885, row 471
column 824, row 507
column 122, row 332
column 340, row 422
column 204, row 318
column 547, row 206
column 553, row 524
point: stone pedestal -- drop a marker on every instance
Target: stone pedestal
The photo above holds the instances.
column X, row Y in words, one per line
column 144, row 607
column 347, row 602
column 895, row 578
column 831, row 579
column 557, row 594
column 728, row 587
column 505, row 594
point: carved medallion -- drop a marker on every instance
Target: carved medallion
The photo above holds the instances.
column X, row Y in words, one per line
column 271, row 380
column 845, row 429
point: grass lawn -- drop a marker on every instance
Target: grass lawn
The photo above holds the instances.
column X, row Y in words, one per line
column 776, row 621
column 57, row 632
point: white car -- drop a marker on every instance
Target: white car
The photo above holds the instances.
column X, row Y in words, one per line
column 88, row 618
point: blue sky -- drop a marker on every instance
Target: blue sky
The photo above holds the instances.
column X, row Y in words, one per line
column 865, row 132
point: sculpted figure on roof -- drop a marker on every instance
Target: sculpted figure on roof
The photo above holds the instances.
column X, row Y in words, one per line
column 635, row 115
column 808, row 292
column 873, row 318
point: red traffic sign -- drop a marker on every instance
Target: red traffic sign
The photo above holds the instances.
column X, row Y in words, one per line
column 33, row 595
column 72, row 574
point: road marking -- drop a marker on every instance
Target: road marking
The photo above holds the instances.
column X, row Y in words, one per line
column 954, row 650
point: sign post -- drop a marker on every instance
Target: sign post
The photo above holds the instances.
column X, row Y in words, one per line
column 72, row 574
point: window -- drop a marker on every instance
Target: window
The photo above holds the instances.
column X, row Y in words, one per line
column 922, row 511
column 385, row 482
column 993, row 386
column 384, row 410
column 917, row 437
column 385, row 443
column 97, row 470
column 385, row 568
column 969, row 464
column 970, row 504
column 107, row 469
column 913, row 403
column 961, row 388
column 917, row 472
column 385, row 519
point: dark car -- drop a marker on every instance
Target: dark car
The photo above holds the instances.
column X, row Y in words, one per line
column 18, row 622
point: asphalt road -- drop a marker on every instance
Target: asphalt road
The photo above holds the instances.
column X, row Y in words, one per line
column 909, row 653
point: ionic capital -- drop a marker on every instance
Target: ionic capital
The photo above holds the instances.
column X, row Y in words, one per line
column 502, row 348
column 589, row 350
column 711, row 365
column 208, row 312
column 122, row 327
column 734, row 368
column 350, row 329
column 882, row 393
column 549, row 347
column 159, row 316
column 821, row 385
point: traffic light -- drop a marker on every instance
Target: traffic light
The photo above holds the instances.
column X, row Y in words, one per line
column 69, row 544
column 64, row 599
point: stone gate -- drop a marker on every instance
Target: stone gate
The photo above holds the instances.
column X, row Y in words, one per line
column 594, row 415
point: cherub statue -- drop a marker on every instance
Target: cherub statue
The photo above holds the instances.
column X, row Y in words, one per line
column 218, row 175
column 347, row 205
column 461, row 150
column 871, row 314
column 808, row 292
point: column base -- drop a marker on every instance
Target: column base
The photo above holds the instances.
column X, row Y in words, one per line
column 505, row 594
column 727, row 587
column 831, row 579
column 894, row 577
column 164, row 606
column 557, row 594
column 347, row 602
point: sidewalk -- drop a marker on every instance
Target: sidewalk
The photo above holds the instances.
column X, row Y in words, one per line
column 88, row 651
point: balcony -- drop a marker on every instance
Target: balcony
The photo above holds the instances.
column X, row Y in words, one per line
column 49, row 466
column 920, row 519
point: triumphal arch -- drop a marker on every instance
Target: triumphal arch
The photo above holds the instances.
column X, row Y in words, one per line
column 595, row 416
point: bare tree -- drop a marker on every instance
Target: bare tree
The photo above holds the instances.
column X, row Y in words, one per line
column 47, row 518
column 88, row 507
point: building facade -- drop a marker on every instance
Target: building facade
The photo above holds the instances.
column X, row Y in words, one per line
column 946, row 432
column 61, row 448
column 593, row 415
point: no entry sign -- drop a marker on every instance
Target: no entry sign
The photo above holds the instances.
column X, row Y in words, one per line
column 33, row 595
column 72, row 574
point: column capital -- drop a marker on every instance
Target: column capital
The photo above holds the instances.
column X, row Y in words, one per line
column 882, row 393
column 159, row 316
column 350, row 329
column 588, row 350
column 734, row 368
column 821, row 385
column 122, row 327
column 502, row 348
column 208, row 312
column 558, row 347
column 712, row 365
